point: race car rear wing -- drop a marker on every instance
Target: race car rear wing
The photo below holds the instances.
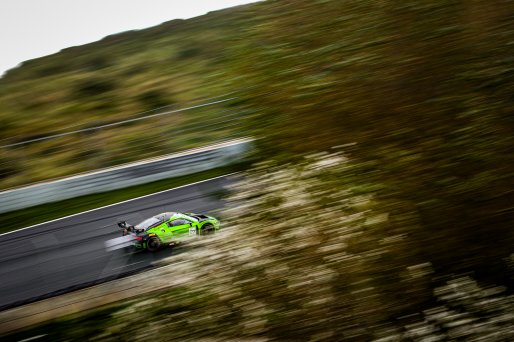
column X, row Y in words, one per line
column 124, row 225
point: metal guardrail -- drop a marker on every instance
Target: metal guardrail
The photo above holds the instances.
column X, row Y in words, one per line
column 150, row 170
column 97, row 144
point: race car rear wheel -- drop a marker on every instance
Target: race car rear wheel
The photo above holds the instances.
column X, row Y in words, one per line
column 207, row 229
column 153, row 244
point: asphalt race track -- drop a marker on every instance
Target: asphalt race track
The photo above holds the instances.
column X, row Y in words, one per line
column 68, row 254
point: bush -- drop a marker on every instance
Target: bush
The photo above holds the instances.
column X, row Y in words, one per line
column 94, row 87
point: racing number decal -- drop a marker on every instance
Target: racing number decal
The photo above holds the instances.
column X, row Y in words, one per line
column 192, row 231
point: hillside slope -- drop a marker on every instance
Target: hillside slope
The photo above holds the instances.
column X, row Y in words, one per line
column 177, row 64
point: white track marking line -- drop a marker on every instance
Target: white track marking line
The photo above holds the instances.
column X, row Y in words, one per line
column 127, row 265
column 33, row 338
column 126, row 201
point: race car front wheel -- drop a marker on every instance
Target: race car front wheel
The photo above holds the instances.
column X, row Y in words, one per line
column 207, row 229
column 153, row 244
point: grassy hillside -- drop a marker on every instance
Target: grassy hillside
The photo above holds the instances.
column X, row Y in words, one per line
column 175, row 65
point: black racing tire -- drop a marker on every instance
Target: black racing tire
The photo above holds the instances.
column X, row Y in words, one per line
column 207, row 229
column 153, row 244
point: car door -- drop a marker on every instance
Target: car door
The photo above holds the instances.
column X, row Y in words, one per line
column 180, row 227
column 165, row 233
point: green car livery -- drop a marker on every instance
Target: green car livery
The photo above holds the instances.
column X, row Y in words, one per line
column 168, row 228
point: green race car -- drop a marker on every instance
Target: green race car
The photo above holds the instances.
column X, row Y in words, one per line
column 167, row 229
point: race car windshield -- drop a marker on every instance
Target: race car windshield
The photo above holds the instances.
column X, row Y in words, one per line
column 190, row 216
column 148, row 223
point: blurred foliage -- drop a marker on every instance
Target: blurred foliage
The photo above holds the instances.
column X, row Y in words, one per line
column 92, row 87
column 423, row 92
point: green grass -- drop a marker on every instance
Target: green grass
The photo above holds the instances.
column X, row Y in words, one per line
column 25, row 217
